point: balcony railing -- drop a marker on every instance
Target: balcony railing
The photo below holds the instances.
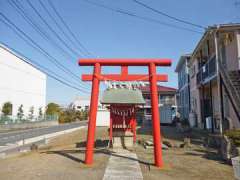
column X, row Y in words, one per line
column 207, row 71
column 170, row 101
column 148, row 102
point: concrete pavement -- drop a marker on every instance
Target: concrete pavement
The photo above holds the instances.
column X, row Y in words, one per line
column 123, row 165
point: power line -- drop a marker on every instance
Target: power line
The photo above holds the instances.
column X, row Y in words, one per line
column 148, row 19
column 30, row 21
column 29, row 62
column 45, row 70
column 19, row 69
column 68, row 28
column 167, row 15
column 19, row 90
column 39, row 48
column 236, row 3
column 51, row 29
column 58, row 26
column 20, row 9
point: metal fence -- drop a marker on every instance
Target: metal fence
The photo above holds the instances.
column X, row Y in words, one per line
column 208, row 70
column 16, row 120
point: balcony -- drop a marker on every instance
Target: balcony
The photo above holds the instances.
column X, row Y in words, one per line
column 168, row 101
column 207, row 71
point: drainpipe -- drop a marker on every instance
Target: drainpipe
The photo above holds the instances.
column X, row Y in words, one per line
column 211, row 103
column 238, row 47
column 218, row 79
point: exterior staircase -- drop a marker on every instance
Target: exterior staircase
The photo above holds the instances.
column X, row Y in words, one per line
column 231, row 83
column 235, row 78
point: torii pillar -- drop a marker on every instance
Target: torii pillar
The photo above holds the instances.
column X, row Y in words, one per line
column 92, row 115
column 155, row 116
column 152, row 76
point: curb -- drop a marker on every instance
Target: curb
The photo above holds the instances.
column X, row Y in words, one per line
column 45, row 137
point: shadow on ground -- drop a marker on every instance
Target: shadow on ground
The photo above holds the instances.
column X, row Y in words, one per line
column 197, row 137
column 210, row 154
column 101, row 147
column 170, row 132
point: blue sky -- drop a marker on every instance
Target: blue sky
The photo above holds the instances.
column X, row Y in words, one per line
column 109, row 34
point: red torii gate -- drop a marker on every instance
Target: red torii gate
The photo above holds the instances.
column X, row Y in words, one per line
column 152, row 76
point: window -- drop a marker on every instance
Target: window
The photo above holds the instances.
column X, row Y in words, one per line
column 148, row 111
column 146, row 96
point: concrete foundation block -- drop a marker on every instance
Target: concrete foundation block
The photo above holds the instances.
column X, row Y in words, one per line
column 122, row 139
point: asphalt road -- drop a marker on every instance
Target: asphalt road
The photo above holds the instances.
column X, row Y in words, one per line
column 13, row 137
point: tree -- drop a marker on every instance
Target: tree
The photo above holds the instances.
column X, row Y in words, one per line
column 31, row 113
column 53, row 109
column 84, row 115
column 20, row 113
column 40, row 113
column 71, row 115
column 67, row 116
column 7, row 108
column 78, row 116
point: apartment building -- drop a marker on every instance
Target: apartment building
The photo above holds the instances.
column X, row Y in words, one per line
column 167, row 104
column 183, row 93
column 214, row 74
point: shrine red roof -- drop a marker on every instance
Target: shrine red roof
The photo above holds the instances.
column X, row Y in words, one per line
column 160, row 89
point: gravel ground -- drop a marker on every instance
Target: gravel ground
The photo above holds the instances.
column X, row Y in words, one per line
column 195, row 163
column 59, row 160
column 62, row 160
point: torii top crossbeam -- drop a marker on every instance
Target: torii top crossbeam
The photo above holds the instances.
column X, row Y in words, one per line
column 124, row 63
column 152, row 77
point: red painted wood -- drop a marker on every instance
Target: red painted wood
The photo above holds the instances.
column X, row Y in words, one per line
column 92, row 116
column 124, row 76
column 111, row 127
column 117, row 120
column 125, row 62
column 155, row 117
column 134, row 125
column 124, row 70
column 129, row 77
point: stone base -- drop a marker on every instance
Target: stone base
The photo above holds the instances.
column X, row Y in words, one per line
column 122, row 139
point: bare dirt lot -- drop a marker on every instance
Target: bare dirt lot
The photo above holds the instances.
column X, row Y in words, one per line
column 195, row 163
column 62, row 159
column 59, row 160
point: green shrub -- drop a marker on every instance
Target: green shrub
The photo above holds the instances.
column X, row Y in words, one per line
column 71, row 115
column 234, row 135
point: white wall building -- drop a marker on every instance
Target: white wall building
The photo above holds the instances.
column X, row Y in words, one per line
column 80, row 103
column 21, row 83
column 83, row 103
